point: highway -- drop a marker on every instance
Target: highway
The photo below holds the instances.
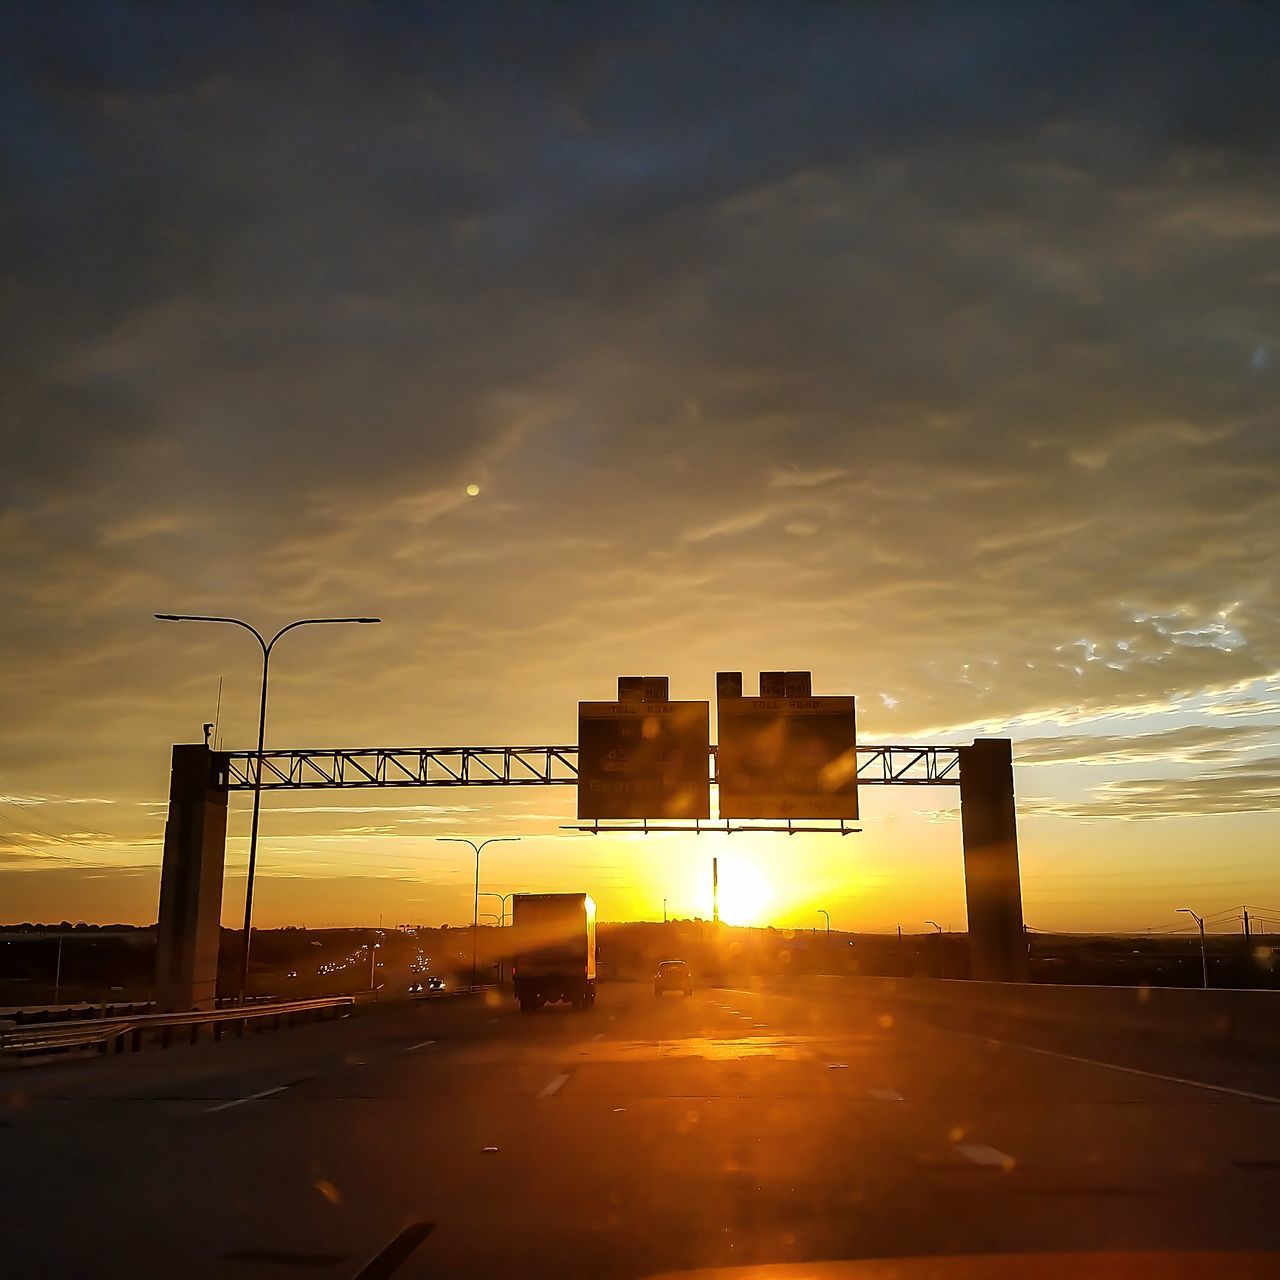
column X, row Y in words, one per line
column 645, row 1135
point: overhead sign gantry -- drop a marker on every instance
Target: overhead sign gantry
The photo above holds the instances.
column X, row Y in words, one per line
column 783, row 754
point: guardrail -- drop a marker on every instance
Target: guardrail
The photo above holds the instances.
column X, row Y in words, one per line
column 80, row 1011
column 103, row 1033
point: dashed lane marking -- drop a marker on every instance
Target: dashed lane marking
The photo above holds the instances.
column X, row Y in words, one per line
column 885, row 1095
column 253, row 1097
column 553, row 1086
column 421, row 1045
column 991, row 1157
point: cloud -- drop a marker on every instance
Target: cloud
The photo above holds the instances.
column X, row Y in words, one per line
column 1252, row 787
column 794, row 478
column 742, row 522
column 1185, row 744
column 922, row 353
column 1245, row 707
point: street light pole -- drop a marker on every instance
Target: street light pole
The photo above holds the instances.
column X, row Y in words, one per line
column 475, row 909
column 935, row 924
column 1204, row 963
column 503, row 898
column 266, row 646
column 827, row 918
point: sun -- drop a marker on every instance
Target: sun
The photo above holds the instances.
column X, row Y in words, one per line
column 745, row 894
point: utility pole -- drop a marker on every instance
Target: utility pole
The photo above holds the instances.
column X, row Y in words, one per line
column 715, row 891
column 1246, row 923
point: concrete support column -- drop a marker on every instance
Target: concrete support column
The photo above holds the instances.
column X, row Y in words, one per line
column 195, row 846
column 993, row 890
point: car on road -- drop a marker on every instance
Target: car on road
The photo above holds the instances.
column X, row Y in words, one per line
column 435, row 984
column 673, row 975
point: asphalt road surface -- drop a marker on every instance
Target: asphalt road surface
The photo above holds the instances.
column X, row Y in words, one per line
column 645, row 1135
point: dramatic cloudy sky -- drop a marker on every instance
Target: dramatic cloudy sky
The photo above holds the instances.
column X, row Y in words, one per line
column 934, row 349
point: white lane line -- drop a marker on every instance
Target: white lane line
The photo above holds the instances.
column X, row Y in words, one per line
column 554, row 1085
column 885, row 1095
column 982, row 1154
column 253, row 1097
column 1129, row 1071
column 599, row 1035
column 422, row 1045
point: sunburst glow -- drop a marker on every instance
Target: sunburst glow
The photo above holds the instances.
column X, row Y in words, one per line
column 746, row 897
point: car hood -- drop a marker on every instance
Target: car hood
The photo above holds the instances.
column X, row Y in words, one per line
column 1011, row 1266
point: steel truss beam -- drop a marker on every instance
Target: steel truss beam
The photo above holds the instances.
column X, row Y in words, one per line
column 722, row 827
column 520, row 767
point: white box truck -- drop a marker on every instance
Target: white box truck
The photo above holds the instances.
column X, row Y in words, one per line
column 554, row 949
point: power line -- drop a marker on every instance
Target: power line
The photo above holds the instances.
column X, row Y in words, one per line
column 48, row 835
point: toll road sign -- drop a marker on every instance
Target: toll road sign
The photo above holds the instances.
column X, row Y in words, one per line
column 644, row 760
column 787, row 757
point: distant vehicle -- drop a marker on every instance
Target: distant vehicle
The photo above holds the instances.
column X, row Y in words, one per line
column 293, row 973
column 435, row 984
column 415, row 988
column 555, row 949
column 673, row 975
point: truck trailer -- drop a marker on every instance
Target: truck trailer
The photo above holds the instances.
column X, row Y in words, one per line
column 554, row 936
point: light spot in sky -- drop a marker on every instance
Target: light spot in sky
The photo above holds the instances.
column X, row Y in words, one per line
column 473, row 490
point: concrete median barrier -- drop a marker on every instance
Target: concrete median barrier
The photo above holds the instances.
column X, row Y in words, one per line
column 1249, row 1018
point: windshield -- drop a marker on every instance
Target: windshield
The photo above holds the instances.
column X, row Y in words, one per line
column 639, row 638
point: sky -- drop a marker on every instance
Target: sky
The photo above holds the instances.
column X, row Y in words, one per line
column 934, row 349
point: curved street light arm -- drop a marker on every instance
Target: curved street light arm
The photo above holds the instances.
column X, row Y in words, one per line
column 313, row 622
column 458, row 840
column 204, row 617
